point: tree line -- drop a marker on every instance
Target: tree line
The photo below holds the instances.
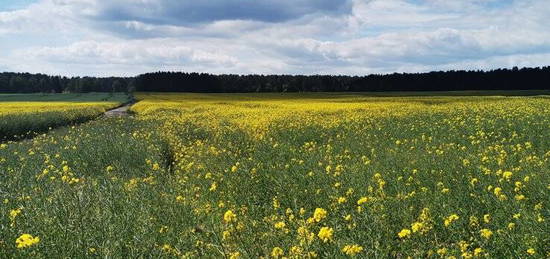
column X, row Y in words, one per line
column 499, row 79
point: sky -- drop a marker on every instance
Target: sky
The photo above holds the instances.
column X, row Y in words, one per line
column 345, row 37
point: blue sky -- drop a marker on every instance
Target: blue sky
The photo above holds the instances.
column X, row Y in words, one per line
column 354, row 37
column 9, row 5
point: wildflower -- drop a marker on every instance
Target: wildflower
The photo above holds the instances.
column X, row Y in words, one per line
column 362, row 200
column 511, row 225
column 404, row 233
column 442, row 251
column 531, row 251
column 229, row 216
column 234, row 169
column 507, row 175
column 520, row 197
column 325, row 234
column 487, row 218
column 276, row 252
column 341, row 200
column 66, row 168
column 156, row 167
column 276, row 203
column 486, row 233
column 417, row 226
column 296, row 250
column 109, row 169
column 352, row 249
column 26, row 240
column 226, row 235
column 14, row 213
column 450, row 219
column 213, row 187
column 319, row 214
column 234, row 255
column 445, row 190
column 478, row 251
column 497, row 191
column 280, row 225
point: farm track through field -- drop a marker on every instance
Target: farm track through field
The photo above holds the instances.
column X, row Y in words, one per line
column 119, row 111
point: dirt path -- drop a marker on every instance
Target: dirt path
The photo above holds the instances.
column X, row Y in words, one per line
column 119, row 112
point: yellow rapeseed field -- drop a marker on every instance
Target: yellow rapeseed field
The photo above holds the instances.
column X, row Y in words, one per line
column 26, row 115
column 314, row 175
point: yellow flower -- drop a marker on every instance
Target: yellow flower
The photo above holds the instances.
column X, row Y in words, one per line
column 235, row 255
column 226, row 235
column 362, row 200
column 26, row 240
column 520, row 197
column 341, row 200
column 276, row 252
column 487, row 218
column 417, row 226
column 450, row 219
column 213, row 187
column 66, row 169
column 352, row 249
column 404, row 233
column 229, row 216
column 325, row 234
column 156, row 166
column 478, row 251
column 319, row 214
column 442, row 251
column 511, row 225
column 280, row 225
column 507, row 175
column 234, row 169
column 109, row 169
column 531, row 251
column 497, row 191
column 296, row 250
column 14, row 213
column 486, row 233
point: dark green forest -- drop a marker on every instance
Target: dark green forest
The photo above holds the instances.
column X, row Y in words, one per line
column 499, row 79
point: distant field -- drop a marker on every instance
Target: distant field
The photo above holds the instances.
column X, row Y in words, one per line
column 26, row 114
column 297, row 175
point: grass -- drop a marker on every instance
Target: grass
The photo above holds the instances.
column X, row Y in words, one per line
column 23, row 115
column 296, row 175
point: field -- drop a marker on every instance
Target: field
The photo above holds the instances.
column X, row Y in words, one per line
column 25, row 115
column 286, row 175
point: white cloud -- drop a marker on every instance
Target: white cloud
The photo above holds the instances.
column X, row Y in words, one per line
column 377, row 36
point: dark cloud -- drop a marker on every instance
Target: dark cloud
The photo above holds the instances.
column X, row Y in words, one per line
column 178, row 12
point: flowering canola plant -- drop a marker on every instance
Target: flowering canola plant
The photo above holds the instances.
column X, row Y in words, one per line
column 287, row 175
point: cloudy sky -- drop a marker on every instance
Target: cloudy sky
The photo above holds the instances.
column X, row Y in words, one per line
column 355, row 37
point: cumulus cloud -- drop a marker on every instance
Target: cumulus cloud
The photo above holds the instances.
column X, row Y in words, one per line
column 244, row 36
